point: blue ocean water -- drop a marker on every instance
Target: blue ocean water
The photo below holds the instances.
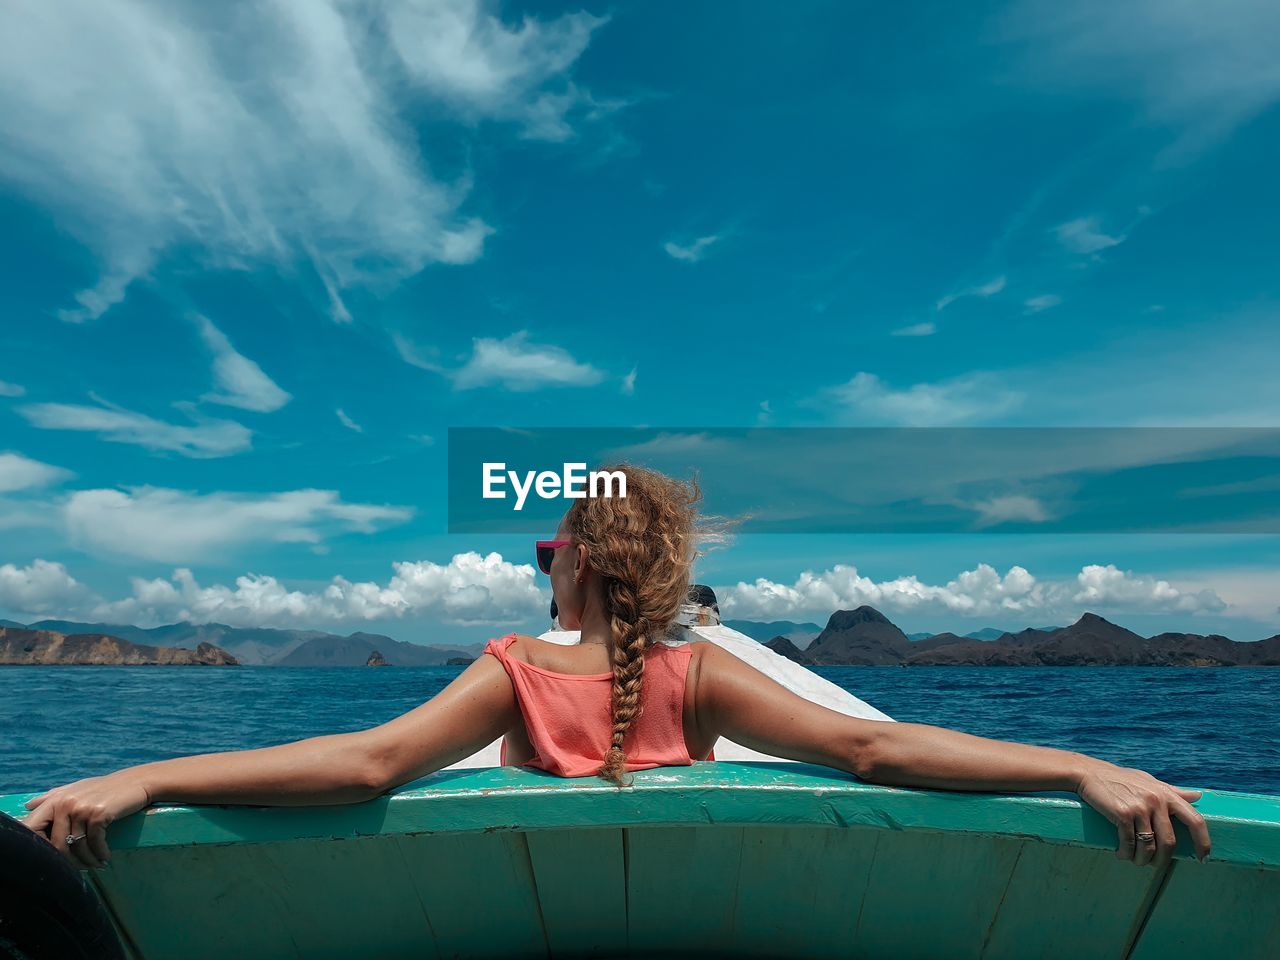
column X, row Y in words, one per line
column 1215, row 728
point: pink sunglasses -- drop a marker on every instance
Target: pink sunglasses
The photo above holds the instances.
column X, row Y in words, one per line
column 545, row 550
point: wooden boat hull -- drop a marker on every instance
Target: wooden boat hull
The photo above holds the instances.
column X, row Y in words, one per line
column 718, row 859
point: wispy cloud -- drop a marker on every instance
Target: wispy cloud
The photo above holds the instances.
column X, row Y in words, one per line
column 988, row 289
column 267, row 132
column 417, row 356
column 517, row 364
column 690, row 253
column 11, row 389
column 1044, row 301
column 1202, row 70
column 982, row 591
column 459, row 52
column 926, row 329
column 347, row 421
column 965, row 399
column 1085, row 236
column 160, row 524
column 242, row 382
column 18, row 472
column 207, row 437
column 629, row 382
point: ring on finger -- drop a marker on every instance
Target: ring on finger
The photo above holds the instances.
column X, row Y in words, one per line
column 1146, row 837
column 73, row 837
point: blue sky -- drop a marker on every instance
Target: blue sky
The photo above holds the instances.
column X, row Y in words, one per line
column 260, row 259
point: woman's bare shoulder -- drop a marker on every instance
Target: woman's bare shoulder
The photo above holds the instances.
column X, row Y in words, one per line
column 521, row 644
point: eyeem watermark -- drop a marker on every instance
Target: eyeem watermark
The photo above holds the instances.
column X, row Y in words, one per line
column 573, row 482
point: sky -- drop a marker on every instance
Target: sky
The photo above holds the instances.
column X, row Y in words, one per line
column 259, row 258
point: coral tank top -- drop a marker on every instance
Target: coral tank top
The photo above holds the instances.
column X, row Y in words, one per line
column 568, row 718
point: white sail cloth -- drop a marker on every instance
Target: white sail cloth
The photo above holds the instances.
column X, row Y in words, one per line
column 796, row 678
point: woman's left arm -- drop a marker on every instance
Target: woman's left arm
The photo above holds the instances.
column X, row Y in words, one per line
column 471, row 712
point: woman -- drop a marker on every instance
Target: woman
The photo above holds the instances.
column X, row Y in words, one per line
column 620, row 570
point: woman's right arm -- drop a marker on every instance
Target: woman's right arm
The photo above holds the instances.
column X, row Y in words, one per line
column 475, row 709
column 737, row 701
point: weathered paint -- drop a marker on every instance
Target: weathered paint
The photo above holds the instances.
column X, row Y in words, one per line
column 744, row 859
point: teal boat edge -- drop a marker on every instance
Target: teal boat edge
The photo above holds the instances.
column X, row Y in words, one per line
column 720, row 859
column 1245, row 828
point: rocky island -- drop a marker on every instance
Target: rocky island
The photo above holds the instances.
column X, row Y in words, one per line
column 866, row 637
column 23, row 647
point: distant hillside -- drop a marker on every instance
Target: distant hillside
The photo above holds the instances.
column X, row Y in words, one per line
column 865, row 637
column 22, row 647
column 784, row 646
column 1093, row 641
column 356, row 649
column 267, row 646
column 995, row 633
column 801, row 634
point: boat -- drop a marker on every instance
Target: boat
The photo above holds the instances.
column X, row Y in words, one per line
column 732, row 858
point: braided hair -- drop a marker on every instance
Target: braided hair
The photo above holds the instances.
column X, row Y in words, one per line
column 642, row 546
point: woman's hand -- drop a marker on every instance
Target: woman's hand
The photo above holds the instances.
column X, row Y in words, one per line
column 1138, row 803
column 84, row 809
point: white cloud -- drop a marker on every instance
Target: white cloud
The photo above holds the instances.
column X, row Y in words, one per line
column 926, row 329
column 42, row 588
column 457, row 51
column 517, row 364
column 22, row 473
column 416, row 356
column 242, row 381
column 996, row 510
column 469, row 589
column 690, row 253
column 267, row 132
column 664, row 444
column 175, row 526
column 11, row 389
column 1084, row 236
column 206, row 438
column 974, row 396
column 347, row 421
column 1119, row 589
column 1200, row 69
column 981, row 591
column 1044, row 301
column 988, row 289
column 629, row 382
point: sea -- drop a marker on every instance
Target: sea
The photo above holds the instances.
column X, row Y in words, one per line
column 1203, row 728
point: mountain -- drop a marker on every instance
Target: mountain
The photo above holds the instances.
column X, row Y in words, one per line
column 48, row 647
column 865, row 637
column 251, row 645
column 995, row 633
column 355, row 650
column 862, row 637
column 1094, row 641
column 784, row 646
column 259, row 646
column 801, row 634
